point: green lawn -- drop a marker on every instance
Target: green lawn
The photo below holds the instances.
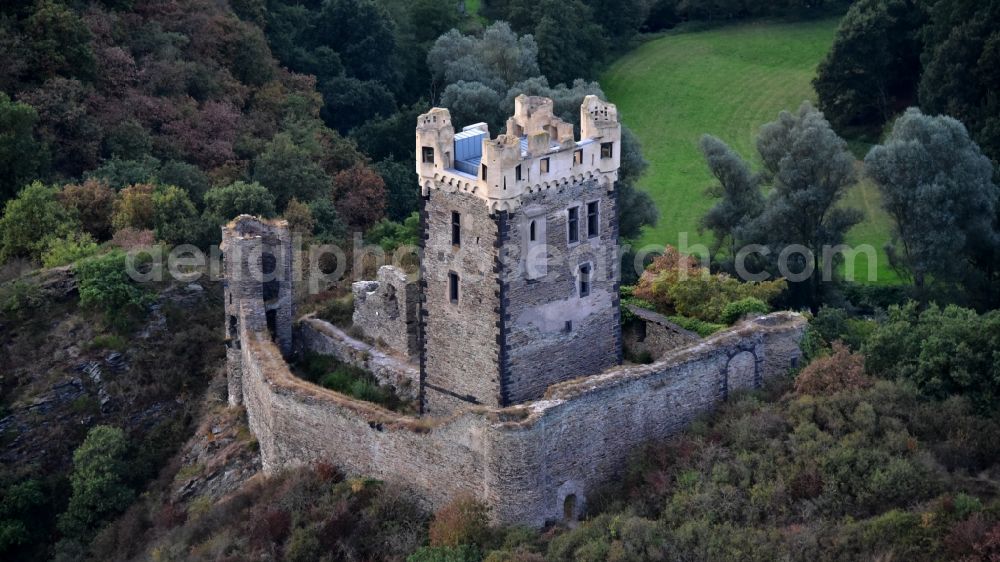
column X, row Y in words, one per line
column 727, row 82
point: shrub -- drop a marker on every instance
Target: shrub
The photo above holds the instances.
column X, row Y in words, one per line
column 942, row 351
column 463, row 521
column 223, row 204
column 130, row 239
column 21, row 299
column 840, row 371
column 104, row 285
column 134, row 208
column 700, row 327
column 66, row 250
column 736, row 310
column 30, row 220
column 303, row 546
column 100, row 482
column 675, row 283
column 93, row 202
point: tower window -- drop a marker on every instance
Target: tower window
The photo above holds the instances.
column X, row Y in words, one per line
column 453, row 287
column 593, row 222
column 585, row 280
column 607, row 149
column 573, row 224
column 578, row 157
column 427, row 155
column 456, row 229
column 543, row 165
column 484, row 171
column 531, row 231
column 517, row 173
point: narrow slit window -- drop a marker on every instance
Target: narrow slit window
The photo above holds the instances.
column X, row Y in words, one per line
column 585, row 280
column 593, row 220
column 427, row 155
column 453, row 287
column 532, row 232
column 573, row 224
column 517, row 173
column 484, row 171
column 607, row 149
column 543, row 166
column 578, row 157
column 456, row 229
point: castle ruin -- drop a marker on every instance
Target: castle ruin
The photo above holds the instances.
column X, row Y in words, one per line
column 510, row 341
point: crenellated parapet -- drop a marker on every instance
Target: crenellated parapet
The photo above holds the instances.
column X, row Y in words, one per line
column 537, row 152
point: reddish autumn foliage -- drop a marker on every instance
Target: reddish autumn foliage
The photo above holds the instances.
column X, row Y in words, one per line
column 359, row 194
column 841, row 370
column 463, row 521
column 93, row 201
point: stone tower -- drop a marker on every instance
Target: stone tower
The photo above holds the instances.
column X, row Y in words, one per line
column 520, row 265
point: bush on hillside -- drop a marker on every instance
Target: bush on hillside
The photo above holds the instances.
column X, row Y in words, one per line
column 840, row 371
column 463, row 521
column 943, row 351
column 104, row 285
column 66, row 250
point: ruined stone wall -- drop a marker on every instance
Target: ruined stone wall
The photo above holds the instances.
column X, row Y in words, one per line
column 523, row 461
column 296, row 422
column 324, row 338
column 652, row 333
column 584, row 431
column 551, row 331
column 460, row 338
column 387, row 309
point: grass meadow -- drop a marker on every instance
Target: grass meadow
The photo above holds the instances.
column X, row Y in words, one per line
column 725, row 81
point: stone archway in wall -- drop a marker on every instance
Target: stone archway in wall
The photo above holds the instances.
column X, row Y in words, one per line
column 741, row 372
column 570, row 502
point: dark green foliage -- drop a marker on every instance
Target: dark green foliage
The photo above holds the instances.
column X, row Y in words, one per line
column 402, row 188
column 31, row 220
column 22, row 156
column 810, row 170
column 100, row 482
column 349, row 102
column 739, row 193
column 175, row 218
column 871, row 72
column 357, row 383
column 329, row 227
column 961, row 58
column 943, row 351
column 833, row 324
column 223, row 204
column 119, row 173
column 288, row 171
column 104, row 285
column 938, row 188
column 736, row 310
column 391, row 235
column 22, row 514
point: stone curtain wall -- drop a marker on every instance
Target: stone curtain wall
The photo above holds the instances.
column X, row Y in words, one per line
column 584, row 431
column 551, row 332
column 578, row 436
column 321, row 337
column 652, row 333
column 387, row 310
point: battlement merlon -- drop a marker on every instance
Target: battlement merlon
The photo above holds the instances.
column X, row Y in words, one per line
column 537, row 152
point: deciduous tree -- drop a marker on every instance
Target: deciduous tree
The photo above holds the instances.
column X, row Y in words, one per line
column 938, row 188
